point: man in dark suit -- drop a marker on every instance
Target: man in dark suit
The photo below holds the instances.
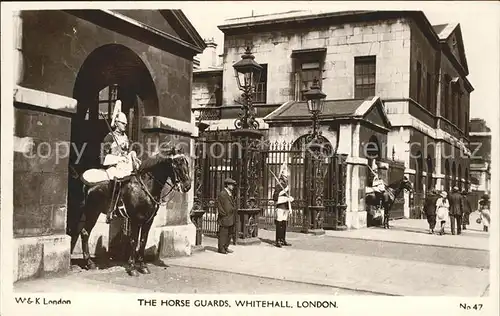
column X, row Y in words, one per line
column 467, row 210
column 226, row 207
column 456, row 210
column 430, row 209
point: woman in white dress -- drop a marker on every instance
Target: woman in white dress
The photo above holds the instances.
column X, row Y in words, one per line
column 442, row 210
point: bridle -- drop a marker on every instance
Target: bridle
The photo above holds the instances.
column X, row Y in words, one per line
column 175, row 184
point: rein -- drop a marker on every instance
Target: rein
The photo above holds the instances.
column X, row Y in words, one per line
column 157, row 203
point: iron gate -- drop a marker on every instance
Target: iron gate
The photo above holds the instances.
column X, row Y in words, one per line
column 215, row 162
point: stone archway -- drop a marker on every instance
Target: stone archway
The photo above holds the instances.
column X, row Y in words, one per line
column 373, row 153
column 109, row 73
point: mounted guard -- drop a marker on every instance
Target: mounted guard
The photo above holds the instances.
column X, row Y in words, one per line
column 119, row 161
column 378, row 185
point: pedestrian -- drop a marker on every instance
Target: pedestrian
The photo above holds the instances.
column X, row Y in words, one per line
column 282, row 200
column 467, row 210
column 430, row 209
column 456, row 210
column 442, row 211
column 484, row 212
column 226, row 207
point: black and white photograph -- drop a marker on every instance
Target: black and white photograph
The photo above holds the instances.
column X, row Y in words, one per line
column 250, row 157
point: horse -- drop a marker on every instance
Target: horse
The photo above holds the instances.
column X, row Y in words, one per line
column 388, row 197
column 140, row 194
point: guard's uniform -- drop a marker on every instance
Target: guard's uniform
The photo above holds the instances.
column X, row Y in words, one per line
column 117, row 155
column 282, row 200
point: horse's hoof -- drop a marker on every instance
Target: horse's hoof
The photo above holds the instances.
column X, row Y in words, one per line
column 132, row 272
column 91, row 266
column 144, row 270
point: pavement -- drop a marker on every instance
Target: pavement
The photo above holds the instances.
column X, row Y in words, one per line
column 404, row 260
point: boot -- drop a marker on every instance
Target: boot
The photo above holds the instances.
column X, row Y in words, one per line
column 278, row 234
column 283, row 234
column 111, row 211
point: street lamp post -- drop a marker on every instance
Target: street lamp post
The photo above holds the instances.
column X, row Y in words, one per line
column 313, row 219
column 247, row 73
column 247, row 167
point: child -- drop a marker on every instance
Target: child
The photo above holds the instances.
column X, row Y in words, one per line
column 442, row 211
column 484, row 212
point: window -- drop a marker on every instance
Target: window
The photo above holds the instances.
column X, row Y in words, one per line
column 260, row 95
column 419, row 81
column 364, row 72
column 460, row 113
column 308, row 72
column 428, row 93
column 446, row 95
column 107, row 99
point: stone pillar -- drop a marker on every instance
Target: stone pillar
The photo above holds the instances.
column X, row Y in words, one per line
column 41, row 156
column 172, row 234
column 439, row 173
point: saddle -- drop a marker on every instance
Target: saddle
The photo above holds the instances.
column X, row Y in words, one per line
column 94, row 177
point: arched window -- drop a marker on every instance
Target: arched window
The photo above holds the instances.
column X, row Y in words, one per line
column 107, row 100
column 430, row 171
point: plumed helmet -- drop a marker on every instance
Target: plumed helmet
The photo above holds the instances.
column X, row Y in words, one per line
column 121, row 117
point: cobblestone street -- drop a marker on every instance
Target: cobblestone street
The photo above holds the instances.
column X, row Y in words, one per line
column 326, row 264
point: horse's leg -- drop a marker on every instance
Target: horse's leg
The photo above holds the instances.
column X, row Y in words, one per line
column 142, row 267
column 85, row 234
column 386, row 216
column 132, row 246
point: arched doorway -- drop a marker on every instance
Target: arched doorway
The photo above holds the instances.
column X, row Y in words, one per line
column 419, row 165
column 109, row 73
column 466, row 177
column 454, row 174
column 373, row 154
column 459, row 181
column 447, row 175
column 430, row 171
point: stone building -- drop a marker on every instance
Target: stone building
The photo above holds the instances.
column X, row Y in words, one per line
column 71, row 67
column 480, row 163
column 390, row 78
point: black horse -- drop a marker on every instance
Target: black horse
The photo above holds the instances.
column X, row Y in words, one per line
column 141, row 195
column 386, row 200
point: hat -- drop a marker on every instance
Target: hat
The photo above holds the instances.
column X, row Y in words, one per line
column 444, row 194
column 455, row 188
column 229, row 181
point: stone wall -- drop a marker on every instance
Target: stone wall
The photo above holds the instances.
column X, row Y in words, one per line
column 447, row 68
column 56, row 44
column 422, row 51
column 41, row 246
column 388, row 40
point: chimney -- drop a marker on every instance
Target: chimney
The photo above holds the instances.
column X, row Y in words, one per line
column 209, row 56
